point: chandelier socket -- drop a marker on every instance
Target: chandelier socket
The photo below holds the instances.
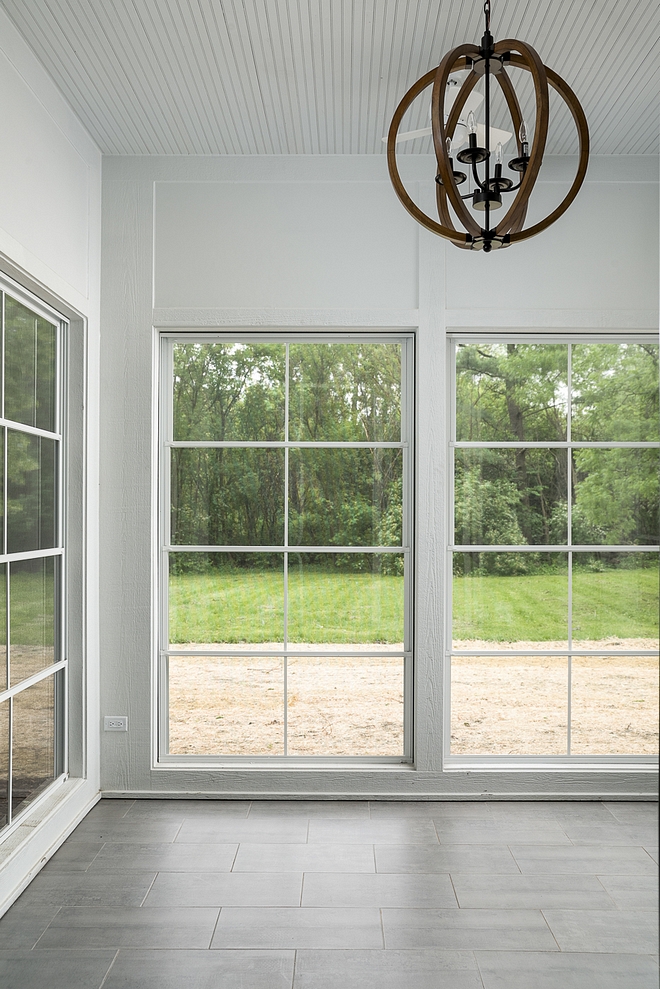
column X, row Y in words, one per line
column 490, row 199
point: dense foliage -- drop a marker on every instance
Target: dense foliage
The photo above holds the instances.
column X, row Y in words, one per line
column 520, row 392
column 235, row 496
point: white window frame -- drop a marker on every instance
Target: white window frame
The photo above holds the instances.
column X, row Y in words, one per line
column 165, row 418
column 59, row 670
column 529, row 762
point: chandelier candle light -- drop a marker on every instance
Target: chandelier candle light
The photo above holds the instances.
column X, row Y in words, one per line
column 488, row 61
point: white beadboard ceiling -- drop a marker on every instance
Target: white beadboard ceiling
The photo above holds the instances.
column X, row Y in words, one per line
column 324, row 76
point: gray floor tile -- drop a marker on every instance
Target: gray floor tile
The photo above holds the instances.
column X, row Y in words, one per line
column 576, row 811
column 236, row 889
column 571, row 970
column 141, row 831
column 54, row 969
column 632, row 892
column 634, row 812
column 612, row 834
column 444, row 858
column 399, row 832
column 425, row 968
column 122, row 856
column 130, row 927
column 468, row 833
column 452, row 809
column 109, row 810
column 531, row 892
column 180, row 810
column 380, row 890
column 352, row 809
column 304, row 858
column 81, row 889
column 629, row 931
column 520, row 811
column 75, row 856
column 25, row 922
column 135, row 969
column 298, row 927
column 525, row 930
column 290, row 830
column 586, row 859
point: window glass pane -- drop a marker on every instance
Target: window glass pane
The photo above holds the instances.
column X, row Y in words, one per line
column 614, row 708
column 220, row 598
column 615, row 497
column 33, row 729
column 4, row 763
column 345, row 392
column 510, row 601
column 509, row 705
column 615, row 601
column 345, row 497
column 31, row 492
column 228, row 391
column 345, row 707
column 346, row 600
column 509, row 391
column 32, row 617
column 615, row 392
column 4, row 680
column 228, row 497
column 510, row 497
column 226, row 706
column 30, row 366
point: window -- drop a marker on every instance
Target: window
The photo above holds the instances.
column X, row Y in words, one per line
column 32, row 663
column 554, row 560
column 285, row 559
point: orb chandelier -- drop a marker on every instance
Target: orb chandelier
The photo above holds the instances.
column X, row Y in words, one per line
column 489, row 61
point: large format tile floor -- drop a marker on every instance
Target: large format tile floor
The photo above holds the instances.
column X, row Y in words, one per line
column 327, row 895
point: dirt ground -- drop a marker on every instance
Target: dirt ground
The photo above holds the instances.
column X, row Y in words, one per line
column 353, row 706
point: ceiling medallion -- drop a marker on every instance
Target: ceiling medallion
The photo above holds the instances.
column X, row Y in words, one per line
column 450, row 128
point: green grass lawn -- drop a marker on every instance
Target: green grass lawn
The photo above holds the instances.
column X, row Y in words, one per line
column 247, row 606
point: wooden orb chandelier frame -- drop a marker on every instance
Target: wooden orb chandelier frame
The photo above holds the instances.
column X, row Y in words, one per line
column 489, row 60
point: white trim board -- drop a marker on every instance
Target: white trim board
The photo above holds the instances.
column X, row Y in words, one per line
column 25, row 852
column 552, row 319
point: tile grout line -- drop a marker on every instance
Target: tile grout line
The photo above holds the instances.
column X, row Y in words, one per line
column 109, row 969
column 545, row 920
column 302, row 888
column 215, row 927
column 233, row 861
column 295, row 963
column 95, row 857
column 382, row 926
column 151, row 886
column 454, row 889
column 46, row 928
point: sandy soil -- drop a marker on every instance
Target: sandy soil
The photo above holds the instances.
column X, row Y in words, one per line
column 354, row 705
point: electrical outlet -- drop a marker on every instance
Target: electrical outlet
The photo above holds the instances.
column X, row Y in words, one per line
column 115, row 723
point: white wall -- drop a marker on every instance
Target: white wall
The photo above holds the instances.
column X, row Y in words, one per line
column 50, row 198
column 322, row 242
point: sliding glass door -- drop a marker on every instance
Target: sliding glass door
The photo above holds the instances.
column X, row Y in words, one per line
column 32, row 661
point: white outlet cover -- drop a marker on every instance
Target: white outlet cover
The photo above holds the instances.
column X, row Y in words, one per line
column 117, row 722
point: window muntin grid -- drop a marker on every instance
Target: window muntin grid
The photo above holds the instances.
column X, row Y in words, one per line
column 33, row 706
column 643, row 432
column 284, row 435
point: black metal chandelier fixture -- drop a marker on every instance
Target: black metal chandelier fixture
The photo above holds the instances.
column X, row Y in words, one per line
column 489, row 61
